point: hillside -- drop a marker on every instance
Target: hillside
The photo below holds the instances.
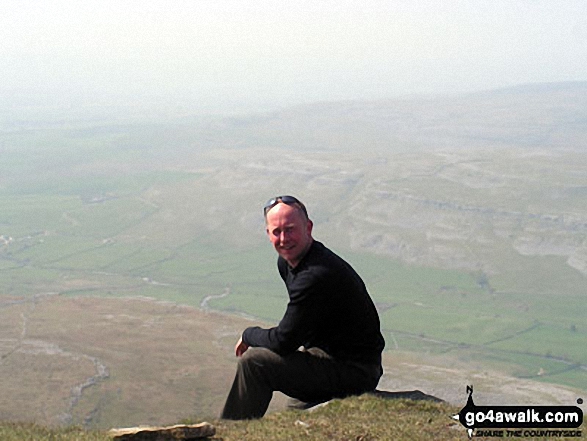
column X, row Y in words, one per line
column 466, row 216
column 542, row 116
column 360, row 418
column 364, row 418
column 99, row 362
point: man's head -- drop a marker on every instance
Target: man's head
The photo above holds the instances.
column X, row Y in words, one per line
column 288, row 227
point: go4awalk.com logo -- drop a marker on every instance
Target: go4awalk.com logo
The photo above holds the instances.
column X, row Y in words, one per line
column 520, row 421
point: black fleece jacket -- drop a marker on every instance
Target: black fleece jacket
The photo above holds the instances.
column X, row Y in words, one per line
column 329, row 308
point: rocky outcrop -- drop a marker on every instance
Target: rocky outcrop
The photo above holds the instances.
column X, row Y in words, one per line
column 170, row 433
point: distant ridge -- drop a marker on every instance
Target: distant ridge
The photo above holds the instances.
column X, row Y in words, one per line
column 540, row 87
column 549, row 116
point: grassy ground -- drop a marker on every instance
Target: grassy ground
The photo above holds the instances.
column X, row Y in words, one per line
column 359, row 418
column 362, row 418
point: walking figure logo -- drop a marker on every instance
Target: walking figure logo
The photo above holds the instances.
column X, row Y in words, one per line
column 470, row 406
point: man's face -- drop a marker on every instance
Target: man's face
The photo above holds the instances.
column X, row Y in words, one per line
column 289, row 231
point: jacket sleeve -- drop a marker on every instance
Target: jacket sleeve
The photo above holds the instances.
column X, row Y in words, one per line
column 298, row 323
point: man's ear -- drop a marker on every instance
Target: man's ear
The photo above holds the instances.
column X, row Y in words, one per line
column 309, row 227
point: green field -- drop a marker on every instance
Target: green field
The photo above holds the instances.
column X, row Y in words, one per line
column 133, row 240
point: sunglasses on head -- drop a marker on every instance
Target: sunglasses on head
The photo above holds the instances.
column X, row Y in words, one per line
column 288, row 200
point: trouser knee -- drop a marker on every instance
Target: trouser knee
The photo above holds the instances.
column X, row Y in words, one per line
column 257, row 360
column 263, row 367
column 260, row 355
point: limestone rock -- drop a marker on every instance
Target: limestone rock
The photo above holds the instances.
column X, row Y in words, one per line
column 169, row 433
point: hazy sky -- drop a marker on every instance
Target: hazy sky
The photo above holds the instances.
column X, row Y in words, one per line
column 268, row 53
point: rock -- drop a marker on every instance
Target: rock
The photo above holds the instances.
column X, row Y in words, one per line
column 408, row 394
column 415, row 395
column 169, row 433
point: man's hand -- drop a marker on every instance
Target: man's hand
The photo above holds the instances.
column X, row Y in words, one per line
column 240, row 347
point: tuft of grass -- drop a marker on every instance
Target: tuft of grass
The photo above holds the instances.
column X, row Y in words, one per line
column 358, row 418
column 34, row 432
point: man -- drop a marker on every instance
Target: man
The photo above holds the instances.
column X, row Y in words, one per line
column 327, row 345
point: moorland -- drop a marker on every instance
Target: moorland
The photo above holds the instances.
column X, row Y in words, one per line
column 132, row 249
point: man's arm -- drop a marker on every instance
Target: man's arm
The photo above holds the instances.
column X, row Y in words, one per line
column 302, row 315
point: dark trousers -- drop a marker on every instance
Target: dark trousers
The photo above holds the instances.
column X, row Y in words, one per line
column 309, row 376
